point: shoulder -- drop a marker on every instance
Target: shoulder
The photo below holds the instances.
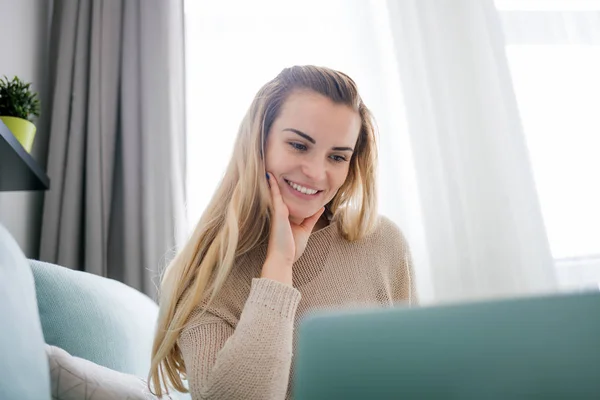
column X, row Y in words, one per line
column 229, row 301
column 388, row 233
column 387, row 226
column 385, row 240
column 396, row 248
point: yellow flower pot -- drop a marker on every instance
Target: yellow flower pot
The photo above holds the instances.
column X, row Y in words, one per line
column 22, row 129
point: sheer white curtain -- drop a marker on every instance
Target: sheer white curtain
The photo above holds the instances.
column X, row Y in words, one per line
column 454, row 168
column 553, row 49
column 483, row 231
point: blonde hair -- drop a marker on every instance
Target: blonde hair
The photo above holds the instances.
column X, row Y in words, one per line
column 237, row 217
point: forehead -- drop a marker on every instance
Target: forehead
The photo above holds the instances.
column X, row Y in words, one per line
column 319, row 117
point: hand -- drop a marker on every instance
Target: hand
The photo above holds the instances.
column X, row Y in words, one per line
column 287, row 240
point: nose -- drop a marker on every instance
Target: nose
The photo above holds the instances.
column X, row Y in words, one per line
column 315, row 170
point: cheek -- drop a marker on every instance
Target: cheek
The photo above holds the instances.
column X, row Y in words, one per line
column 271, row 157
column 276, row 162
column 338, row 179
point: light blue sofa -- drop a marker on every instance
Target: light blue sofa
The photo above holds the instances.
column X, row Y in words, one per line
column 94, row 318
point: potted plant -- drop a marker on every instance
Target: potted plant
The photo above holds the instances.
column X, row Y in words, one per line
column 18, row 106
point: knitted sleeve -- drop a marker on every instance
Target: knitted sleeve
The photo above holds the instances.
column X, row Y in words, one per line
column 413, row 299
column 403, row 276
column 251, row 361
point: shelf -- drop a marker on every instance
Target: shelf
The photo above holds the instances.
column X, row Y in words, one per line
column 18, row 170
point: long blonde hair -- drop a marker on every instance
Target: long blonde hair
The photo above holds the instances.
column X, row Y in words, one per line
column 237, row 217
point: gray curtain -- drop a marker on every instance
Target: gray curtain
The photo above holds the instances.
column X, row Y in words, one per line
column 117, row 138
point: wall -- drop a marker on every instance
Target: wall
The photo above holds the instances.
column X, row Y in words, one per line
column 23, row 52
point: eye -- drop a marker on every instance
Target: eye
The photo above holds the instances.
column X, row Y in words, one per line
column 338, row 158
column 298, row 146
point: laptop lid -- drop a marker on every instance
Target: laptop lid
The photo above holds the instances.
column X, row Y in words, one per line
column 527, row 348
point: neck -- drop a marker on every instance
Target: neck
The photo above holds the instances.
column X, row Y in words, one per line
column 321, row 223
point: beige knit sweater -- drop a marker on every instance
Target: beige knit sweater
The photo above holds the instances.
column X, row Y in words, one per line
column 243, row 347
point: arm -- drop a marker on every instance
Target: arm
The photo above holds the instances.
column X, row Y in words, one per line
column 413, row 299
column 402, row 274
column 403, row 278
column 251, row 362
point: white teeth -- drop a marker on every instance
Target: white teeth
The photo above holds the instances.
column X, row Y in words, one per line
column 302, row 189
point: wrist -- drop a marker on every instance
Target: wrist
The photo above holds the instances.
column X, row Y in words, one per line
column 277, row 270
column 279, row 261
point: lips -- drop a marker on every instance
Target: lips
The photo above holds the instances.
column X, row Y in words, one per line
column 302, row 189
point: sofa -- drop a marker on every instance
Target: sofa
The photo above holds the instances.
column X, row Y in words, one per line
column 70, row 335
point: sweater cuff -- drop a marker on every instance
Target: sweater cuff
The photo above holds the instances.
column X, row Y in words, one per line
column 275, row 297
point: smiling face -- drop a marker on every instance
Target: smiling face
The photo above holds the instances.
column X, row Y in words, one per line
column 308, row 150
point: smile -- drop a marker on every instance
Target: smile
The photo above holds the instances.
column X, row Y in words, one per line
column 302, row 189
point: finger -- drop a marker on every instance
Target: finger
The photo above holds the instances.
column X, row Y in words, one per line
column 275, row 193
column 309, row 223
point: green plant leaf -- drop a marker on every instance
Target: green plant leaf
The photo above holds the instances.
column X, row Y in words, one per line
column 17, row 99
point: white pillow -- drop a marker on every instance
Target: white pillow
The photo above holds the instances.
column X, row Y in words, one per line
column 74, row 378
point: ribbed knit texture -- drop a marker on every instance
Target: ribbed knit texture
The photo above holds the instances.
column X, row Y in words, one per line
column 242, row 348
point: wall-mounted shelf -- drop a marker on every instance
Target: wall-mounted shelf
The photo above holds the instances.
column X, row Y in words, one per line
column 18, row 170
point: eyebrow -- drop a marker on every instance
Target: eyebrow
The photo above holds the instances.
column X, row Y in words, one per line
column 313, row 141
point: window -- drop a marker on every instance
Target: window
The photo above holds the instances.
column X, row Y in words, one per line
column 553, row 50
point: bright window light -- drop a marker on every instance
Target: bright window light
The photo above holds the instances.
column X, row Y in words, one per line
column 558, row 92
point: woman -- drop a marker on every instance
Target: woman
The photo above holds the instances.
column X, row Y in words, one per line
column 291, row 228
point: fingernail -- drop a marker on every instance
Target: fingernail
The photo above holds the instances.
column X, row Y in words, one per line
column 267, row 175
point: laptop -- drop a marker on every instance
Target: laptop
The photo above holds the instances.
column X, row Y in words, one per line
column 527, row 348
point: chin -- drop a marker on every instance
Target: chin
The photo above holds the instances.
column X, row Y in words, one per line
column 301, row 213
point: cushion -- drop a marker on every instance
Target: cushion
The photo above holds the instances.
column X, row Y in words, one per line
column 95, row 318
column 24, row 370
column 74, row 378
